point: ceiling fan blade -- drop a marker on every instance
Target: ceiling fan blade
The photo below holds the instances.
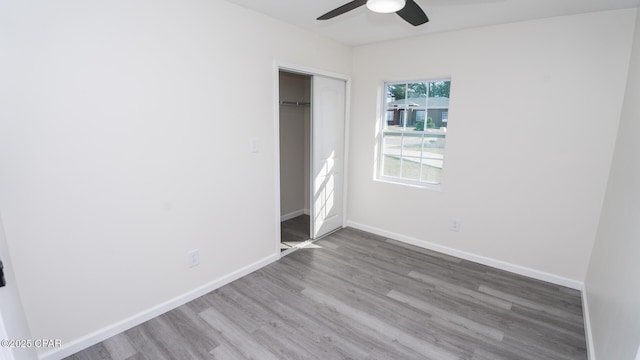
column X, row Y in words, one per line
column 412, row 13
column 342, row 9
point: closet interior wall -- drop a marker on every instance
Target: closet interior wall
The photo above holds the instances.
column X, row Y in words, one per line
column 295, row 144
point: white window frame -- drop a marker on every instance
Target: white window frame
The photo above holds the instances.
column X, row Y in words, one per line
column 380, row 176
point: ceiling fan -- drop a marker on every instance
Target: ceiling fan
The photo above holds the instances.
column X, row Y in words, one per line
column 406, row 9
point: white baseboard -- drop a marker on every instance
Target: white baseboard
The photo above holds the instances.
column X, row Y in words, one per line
column 294, row 214
column 517, row 269
column 591, row 353
column 109, row 331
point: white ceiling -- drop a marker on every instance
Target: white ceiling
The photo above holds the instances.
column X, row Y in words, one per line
column 362, row 26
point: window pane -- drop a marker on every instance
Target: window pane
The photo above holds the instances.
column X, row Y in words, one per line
column 415, row 119
column 431, row 174
column 418, row 120
column 412, row 144
column 392, row 144
column 391, row 166
column 411, row 168
column 396, row 93
column 437, row 118
column 439, row 89
column 396, row 119
column 417, row 92
column 433, row 157
column 433, row 146
column 433, row 143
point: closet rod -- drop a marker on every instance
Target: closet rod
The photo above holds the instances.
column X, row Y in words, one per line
column 294, row 103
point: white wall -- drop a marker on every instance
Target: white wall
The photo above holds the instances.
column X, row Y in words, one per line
column 612, row 288
column 12, row 319
column 294, row 140
column 124, row 143
column 534, row 112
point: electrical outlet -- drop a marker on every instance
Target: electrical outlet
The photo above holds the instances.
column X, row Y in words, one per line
column 455, row 224
column 193, row 258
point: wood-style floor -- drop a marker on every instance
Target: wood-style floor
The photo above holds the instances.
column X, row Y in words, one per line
column 353, row 295
column 294, row 232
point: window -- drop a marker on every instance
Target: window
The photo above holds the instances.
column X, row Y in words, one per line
column 414, row 130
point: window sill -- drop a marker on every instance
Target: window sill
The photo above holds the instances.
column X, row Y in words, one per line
column 395, row 181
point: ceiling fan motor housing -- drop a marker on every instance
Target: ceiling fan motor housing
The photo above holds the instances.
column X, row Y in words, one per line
column 385, row 6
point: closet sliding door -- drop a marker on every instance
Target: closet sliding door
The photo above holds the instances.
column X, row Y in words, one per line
column 327, row 161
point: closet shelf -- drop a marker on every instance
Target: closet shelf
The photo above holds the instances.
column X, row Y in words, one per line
column 294, row 103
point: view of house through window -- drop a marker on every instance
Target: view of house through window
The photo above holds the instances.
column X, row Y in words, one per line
column 414, row 129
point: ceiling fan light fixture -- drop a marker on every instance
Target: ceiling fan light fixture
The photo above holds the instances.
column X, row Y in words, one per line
column 385, row 6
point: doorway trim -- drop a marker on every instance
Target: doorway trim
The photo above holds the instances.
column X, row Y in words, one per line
column 305, row 70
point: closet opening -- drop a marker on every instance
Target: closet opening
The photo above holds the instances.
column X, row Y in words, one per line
column 295, row 159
